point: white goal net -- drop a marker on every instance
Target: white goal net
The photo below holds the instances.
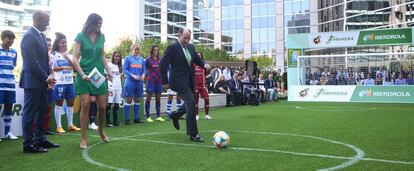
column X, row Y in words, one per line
column 357, row 69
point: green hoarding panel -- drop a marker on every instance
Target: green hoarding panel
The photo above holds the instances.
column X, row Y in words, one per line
column 402, row 94
column 381, row 37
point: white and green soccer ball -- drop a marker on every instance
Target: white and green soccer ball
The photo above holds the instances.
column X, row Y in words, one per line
column 221, row 139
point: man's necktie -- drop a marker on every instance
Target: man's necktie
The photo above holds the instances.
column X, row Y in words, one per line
column 187, row 55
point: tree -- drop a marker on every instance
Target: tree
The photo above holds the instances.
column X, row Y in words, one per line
column 209, row 53
column 146, row 45
column 262, row 61
column 214, row 54
column 124, row 47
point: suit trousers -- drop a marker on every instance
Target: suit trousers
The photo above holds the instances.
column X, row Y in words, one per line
column 188, row 107
column 272, row 94
column 237, row 98
column 35, row 109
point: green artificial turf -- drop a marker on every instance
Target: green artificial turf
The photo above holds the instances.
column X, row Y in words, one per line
column 273, row 136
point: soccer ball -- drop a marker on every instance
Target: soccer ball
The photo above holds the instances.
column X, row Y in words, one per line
column 221, row 139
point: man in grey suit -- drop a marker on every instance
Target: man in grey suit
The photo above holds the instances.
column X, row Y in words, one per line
column 181, row 56
column 35, row 78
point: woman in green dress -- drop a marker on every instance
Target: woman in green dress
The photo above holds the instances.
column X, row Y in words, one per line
column 89, row 54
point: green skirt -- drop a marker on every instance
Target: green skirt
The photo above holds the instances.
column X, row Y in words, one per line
column 85, row 87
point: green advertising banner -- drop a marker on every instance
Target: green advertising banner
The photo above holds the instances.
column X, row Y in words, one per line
column 398, row 36
column 380, row 37
column 293, row 57
column 349, row 93
column 393, row 94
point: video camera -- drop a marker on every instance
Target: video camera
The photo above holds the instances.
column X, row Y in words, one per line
column 251, row 70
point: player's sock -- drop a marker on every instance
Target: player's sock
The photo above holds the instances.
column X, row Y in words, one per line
column 158, row 107
column 206, row 105
column 127, row 109
column 136, row 111
column 147, row 108
column 169, row 106
column 92, row 112
column 58, row 116
column 69, row 114
column 115, row 112
column 7, row 121
column 179, row 104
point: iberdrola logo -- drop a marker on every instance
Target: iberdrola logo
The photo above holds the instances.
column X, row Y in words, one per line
column 365, row 93
column 369, row 37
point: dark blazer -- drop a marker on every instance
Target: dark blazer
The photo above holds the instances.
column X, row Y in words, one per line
column 181, row 74
column 35, row 61
column 232, row 85
column 267, row 84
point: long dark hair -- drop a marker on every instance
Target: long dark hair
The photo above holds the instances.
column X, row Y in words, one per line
column 90, row 24
column 119, row 62
column 152, row 51
column 201, row 55
column 59, row 37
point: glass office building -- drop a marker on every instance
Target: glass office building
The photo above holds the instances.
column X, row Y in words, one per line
column 263, row 27
column 175, row 14
column 244, row 28
column 247, row 28
column 16, row 15
column 232, row 26
column 11, row 15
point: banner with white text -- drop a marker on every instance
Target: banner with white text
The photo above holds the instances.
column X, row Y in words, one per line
column 380, row 94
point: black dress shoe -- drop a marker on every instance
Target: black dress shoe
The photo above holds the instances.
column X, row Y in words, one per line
column 116, row 123
column 175, row 122
column 196, row 138
column 137, row 121
column 48, row 144
column 48, row 132
column 34, row 149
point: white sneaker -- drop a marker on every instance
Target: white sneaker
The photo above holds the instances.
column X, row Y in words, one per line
column 208, row 117
column 197, row 117
column 0, row 140
column 10, row 136
column 93, row 126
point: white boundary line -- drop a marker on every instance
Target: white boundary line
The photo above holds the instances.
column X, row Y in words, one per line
column 360, row 154
column 335, row 109
column 86, row 156
column 352, row 160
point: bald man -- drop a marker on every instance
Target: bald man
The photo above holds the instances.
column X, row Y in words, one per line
column 35, row 78
column 181, row 56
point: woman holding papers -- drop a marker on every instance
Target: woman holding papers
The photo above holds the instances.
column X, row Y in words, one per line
column 90, row 62
column 63, row 69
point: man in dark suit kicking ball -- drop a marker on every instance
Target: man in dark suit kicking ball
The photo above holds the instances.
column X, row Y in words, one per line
column 35, row 78
column 181, row 56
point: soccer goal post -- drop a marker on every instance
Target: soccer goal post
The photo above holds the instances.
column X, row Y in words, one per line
column 355, row 69
column 363, row 77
